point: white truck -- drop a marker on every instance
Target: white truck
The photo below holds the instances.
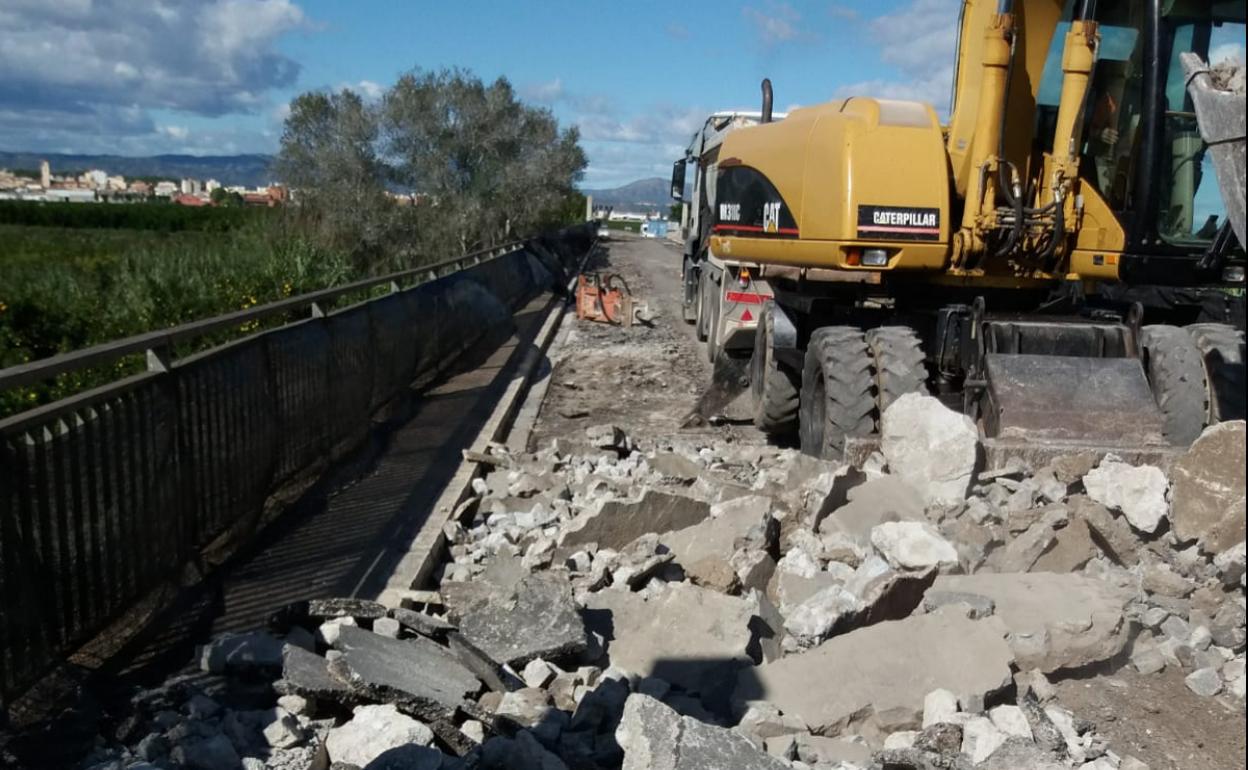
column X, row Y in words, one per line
column 724, row 298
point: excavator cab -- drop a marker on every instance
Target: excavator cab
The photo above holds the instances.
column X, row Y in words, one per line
column 1142, row 149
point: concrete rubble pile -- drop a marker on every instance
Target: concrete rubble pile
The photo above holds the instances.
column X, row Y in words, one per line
column 608, row 603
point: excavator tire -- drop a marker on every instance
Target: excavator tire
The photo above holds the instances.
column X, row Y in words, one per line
column 1177, row 377
column 900, row 366
column 774, row 389
column 836, row 397
column 1222, row 349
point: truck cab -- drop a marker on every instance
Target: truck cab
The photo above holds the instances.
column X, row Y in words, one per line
column 722, row 297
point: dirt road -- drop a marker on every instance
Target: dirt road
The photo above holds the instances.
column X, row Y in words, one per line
column 645, row 378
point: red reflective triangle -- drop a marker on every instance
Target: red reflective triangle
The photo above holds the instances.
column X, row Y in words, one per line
column 747, row 315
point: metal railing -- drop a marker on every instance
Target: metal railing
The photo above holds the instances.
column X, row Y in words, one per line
column 107, row 494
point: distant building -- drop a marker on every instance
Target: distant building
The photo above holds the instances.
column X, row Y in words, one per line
column 117, row 182
column 191, row 186
column 191, row 200
column 139, row 187
column 166, row 189
column 211, row 185
column 95, row 179
column 45, row 174
column 70, row 195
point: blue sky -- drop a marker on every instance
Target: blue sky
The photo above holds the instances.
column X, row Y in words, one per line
column 214, row 76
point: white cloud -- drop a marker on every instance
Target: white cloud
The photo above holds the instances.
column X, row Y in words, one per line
column 95, row 70
column 775, row 23
column 544, row 93
column 174, row 132
column 1233, row 52
column 370, row 90
column 919, row 40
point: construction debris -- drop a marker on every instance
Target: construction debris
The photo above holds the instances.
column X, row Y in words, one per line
column 611, row 602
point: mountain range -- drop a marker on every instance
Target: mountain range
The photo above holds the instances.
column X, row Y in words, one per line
column 653, row 194
column 247, row 170
column 644, row 195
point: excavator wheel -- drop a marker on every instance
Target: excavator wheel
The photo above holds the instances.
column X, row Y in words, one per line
column 773, row 387
column 836, row 397
column 1222, row 349
column 1177, row 377
column 900, row 366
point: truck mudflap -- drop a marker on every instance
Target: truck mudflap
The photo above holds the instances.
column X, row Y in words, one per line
column 1069, row 400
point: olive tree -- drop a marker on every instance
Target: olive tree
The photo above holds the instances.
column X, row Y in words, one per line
column 329, row 159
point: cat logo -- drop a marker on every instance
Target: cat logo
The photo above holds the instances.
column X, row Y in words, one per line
column 771, row 217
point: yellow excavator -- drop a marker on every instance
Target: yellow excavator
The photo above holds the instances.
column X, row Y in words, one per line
column 1057, row 260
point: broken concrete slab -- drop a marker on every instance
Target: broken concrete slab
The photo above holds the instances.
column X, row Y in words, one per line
column 913, row 545
column 656, row 737
column 977, row 606
column 1055, row 621
column 871, row 504
column 1112, row 535
column 360, row 609
column 789, row 589
column 699, row 547
column 539, row 620
column 420, row 623
column 238, row 653
column 1072, row 548
column 876, row 678
column 307, row 674
column 1022, row 553
column 821, row 615
column 930, row 446
column 1138, row 491
column 674, row 466
column 616, row 523
column 417, row 674
column 1208, row 489
column 692, row 637
column 375, row 730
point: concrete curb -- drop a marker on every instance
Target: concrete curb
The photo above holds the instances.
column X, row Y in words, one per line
column 417, row 566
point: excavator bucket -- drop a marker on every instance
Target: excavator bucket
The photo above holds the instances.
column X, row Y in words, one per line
column 1218, row 96
column 1069, row 399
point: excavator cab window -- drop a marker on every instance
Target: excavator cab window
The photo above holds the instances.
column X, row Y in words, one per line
column 1112, row 120
column 1189, row 205
column 1184, row 210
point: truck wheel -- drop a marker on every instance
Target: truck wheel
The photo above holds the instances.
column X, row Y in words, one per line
column 900, row 366
column 1222, row 348
column 702, row 322
column 1177, row 377
column 773, row 387
column 836, row 398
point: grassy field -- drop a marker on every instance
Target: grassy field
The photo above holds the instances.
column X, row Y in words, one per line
column 68, row 288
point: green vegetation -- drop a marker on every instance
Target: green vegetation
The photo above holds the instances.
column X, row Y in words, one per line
column 471, row 166
column 629, row 227
column 65, row 289
column 160, row 216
